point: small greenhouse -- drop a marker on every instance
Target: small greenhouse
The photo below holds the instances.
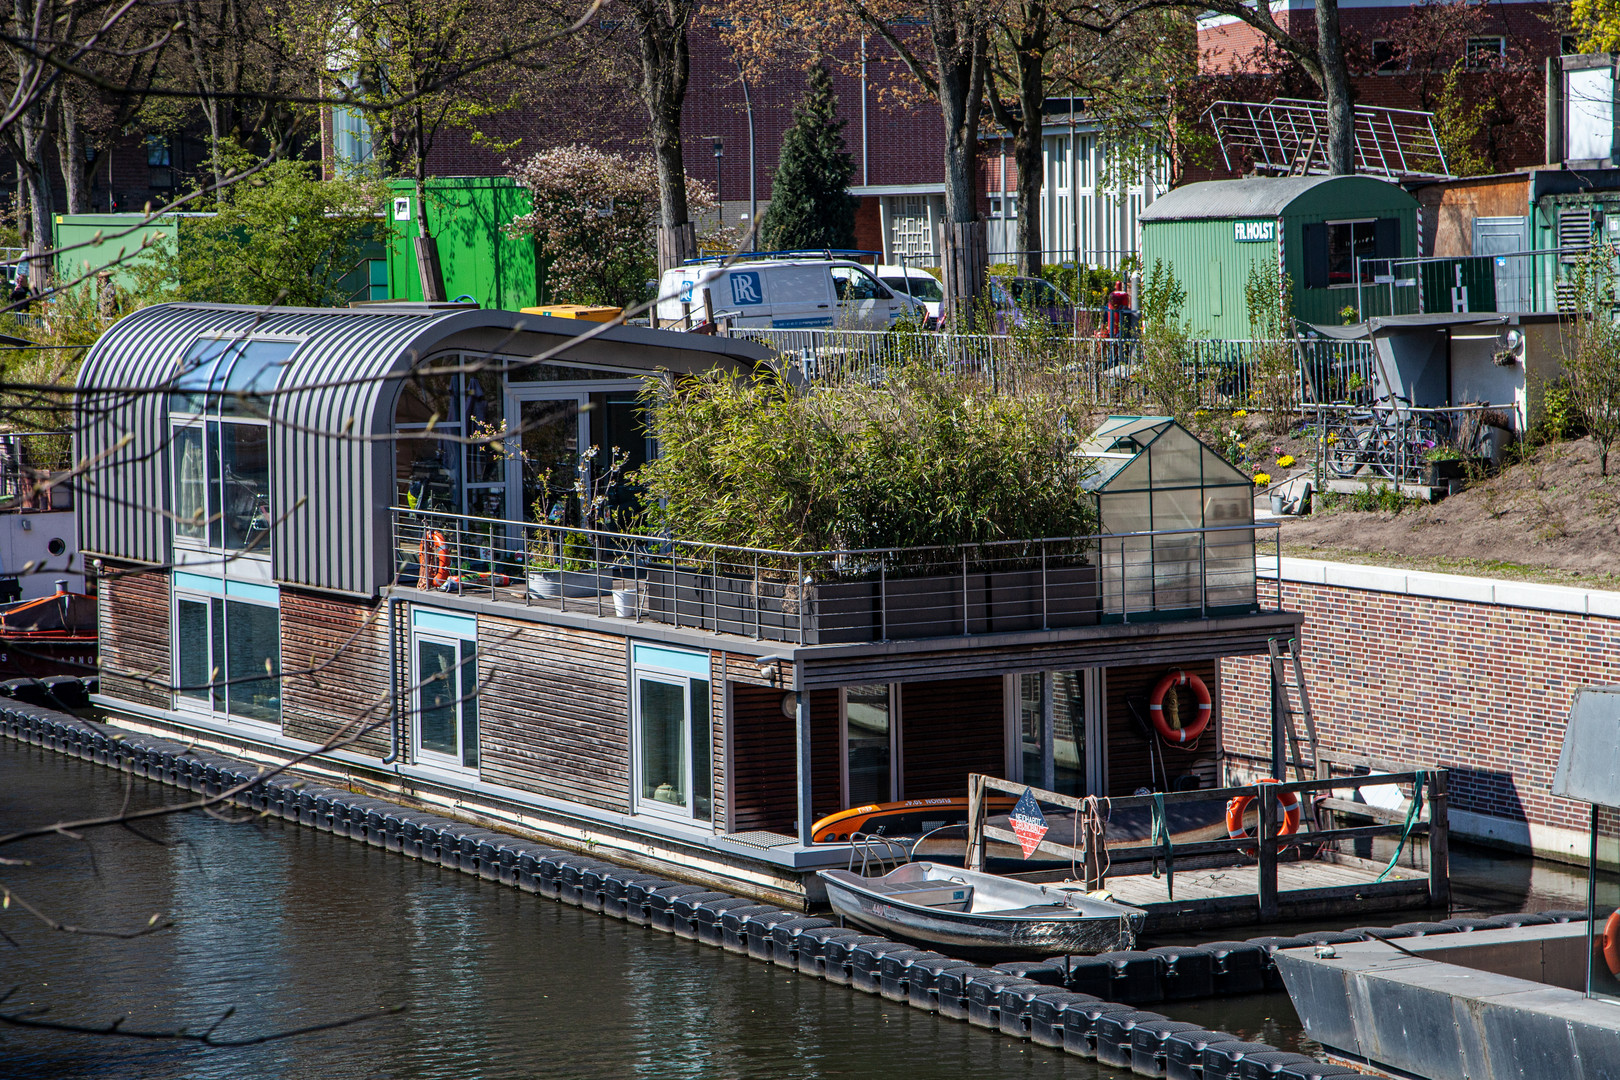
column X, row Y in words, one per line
column 1176, row 521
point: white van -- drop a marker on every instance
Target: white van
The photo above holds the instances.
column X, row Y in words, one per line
column 787, row 294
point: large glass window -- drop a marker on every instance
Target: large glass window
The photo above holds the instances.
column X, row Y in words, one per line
column 447, row 700
column 673, row 758
column 868, row 748
column 221, row 447
column 1050, row 722
column 227, row 648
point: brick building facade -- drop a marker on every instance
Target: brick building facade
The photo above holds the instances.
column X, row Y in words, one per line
column 1436, row 670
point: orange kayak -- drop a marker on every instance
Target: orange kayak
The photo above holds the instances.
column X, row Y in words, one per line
column 908, row 817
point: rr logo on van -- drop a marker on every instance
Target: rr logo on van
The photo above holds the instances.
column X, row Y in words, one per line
column 745, row 288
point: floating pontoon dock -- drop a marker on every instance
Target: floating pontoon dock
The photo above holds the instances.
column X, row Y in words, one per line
column 1224, row 881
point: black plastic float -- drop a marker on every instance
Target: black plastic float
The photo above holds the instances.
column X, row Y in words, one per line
column 866, row 963
column 894, row 971
column 1222, row 1061
column 1080, row 1025
column 682, row 910
column 1184, row 1052
column 788, row 936
column 1046, row 972
column 1113, row 1035
column 733, row 925
column 984, row 997
column 951, row 988
column 824, row 952
column 1266, row 1066
column 922, row 980
column 1048, row 1013
column 1186, row 972
column 1017, row 1007
column 1149, row 1044
column 759, row 932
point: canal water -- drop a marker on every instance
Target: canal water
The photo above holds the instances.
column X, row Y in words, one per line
column 455, row 978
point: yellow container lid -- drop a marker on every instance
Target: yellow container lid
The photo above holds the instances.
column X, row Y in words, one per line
column 576, row 311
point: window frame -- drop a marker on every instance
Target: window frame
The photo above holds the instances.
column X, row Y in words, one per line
column 897, row 772
column 1371, row 223
column 672, row 674
column 1482, row 51
column 463, row 699
column 202, row 410
column 216, row 700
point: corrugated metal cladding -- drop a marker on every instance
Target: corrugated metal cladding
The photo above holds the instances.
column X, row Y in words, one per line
column 332, row 471
column 1256, row 196
column 330, row 487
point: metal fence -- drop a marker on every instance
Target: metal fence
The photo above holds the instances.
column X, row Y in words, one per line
column 34, row 469
column 1391, row 441
column 822, row 597
column 1218, row 372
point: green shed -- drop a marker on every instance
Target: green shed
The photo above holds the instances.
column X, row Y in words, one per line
column 86, row 243
column 466, row 215
column 1211, row 234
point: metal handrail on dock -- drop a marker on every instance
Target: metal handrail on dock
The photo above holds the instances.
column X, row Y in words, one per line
column 1267, row 847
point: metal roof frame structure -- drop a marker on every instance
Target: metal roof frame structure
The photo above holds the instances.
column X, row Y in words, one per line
column 1288, row 137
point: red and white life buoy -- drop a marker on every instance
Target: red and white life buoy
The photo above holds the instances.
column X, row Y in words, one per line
column 1187, row 732
column 1235, row 808
column 434, row 560
column 1611, row 943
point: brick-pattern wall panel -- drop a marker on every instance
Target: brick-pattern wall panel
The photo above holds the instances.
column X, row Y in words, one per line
column 334, row 659
column 135, row 648
column 1133, row 762
column 1481, row 690
column 554, row 714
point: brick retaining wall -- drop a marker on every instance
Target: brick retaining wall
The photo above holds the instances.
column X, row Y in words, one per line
column 1441, row 670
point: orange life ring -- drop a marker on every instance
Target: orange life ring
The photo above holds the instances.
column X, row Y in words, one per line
column 433, row 560
column 1611, row 943
column 1177, row 677
column 1235, row 808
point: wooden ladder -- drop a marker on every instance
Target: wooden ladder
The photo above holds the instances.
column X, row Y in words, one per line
column 1280, row 658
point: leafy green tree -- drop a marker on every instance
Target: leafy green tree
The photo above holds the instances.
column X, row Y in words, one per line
column 810, row 201
column 284, row 237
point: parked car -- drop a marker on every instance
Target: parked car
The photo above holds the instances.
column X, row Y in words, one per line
column 917, row 284
column 1017, row 300
column 781, row 294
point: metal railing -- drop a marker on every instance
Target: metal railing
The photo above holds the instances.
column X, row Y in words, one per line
column 1514, row 282
column 1394, row 441
column 1220, row 372
column 823, row 597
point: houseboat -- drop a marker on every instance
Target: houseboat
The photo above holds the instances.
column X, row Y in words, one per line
column 311, row 505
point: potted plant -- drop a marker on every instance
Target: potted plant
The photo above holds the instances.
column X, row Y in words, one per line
column 1442, row 465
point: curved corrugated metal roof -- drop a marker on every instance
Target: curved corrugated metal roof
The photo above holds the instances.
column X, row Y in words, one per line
column 332, row 482
column 1257, row 196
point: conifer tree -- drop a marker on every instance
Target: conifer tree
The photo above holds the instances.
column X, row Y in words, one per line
column 810, row 203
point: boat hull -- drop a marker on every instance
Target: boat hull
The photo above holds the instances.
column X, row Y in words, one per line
column 988, row 935
column 36, row 657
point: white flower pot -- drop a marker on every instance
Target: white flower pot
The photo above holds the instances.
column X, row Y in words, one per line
column 626, row 599
column 553, row 584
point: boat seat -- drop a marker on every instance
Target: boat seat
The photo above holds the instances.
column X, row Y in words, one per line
column 955, row 895
column 1035, row 911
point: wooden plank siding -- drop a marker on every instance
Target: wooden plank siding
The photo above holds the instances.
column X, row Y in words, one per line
column 334, row 655
column 949, row 729
column 554, row 712
column 826, row 784
column 135, row 634
column 1130, row 764
column 764, row 770
column 740, row 671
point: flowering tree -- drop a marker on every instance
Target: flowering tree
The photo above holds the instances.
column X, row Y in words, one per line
column 594, row 218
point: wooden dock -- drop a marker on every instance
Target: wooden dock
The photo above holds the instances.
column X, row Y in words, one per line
column 1252, row 880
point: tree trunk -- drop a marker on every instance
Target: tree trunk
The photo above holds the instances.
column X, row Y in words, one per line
column 665, row 67
column 70, row 159
column 1027, row 144
column 1341, row 148
column 961, row 42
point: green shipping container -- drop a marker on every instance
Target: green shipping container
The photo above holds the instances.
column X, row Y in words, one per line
column 466, row 215
column 1213, row 234
column 86, row 243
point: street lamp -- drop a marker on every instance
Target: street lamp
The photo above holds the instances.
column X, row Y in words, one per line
column 719, row 200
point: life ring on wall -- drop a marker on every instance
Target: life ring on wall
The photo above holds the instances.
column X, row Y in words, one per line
column 434, row 560
column 1611, row 943
column 1235, row 808
column 1188, row 732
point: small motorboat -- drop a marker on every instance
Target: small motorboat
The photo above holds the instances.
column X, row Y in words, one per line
column 969, row 914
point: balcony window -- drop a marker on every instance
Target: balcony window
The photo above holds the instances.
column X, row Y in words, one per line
column 227, row 646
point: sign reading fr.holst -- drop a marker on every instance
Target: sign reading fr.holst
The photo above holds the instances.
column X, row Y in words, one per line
column 1028, row 822
column 1253, row 232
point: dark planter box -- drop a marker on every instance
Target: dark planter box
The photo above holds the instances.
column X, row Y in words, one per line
column 1441, row 473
